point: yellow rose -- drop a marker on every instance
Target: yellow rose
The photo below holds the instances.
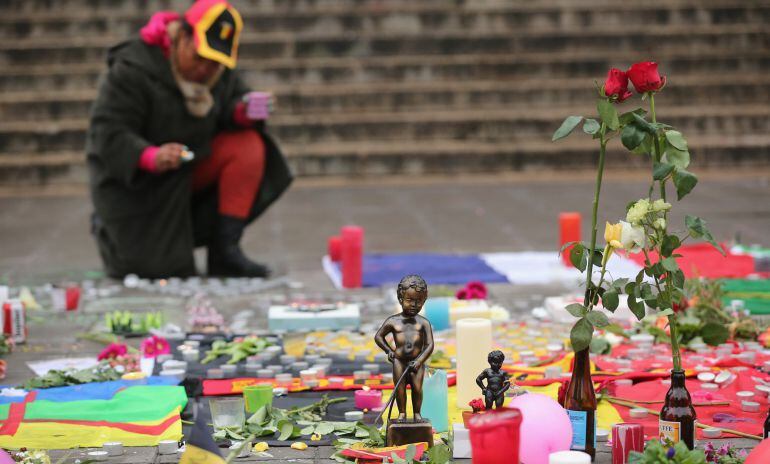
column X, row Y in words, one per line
column 298, row 445
column 612, row 234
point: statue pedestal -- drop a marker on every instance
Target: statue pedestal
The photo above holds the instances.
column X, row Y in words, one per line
column 406, row 432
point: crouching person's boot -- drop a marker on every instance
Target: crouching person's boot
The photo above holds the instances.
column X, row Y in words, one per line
column 225, row 257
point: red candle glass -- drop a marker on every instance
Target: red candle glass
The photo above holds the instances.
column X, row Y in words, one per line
column 352, row 256
column 495, row 436
column 569, row 231
column 72, row 297
column 626, row 438
column 335, row 248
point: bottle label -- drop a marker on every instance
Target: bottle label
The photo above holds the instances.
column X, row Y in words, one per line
column 670, row 432
column 579, row 420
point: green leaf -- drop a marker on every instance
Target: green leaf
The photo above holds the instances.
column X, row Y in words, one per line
column 286, row 428
column 440, row 454
column 669, row 245
column 637, row 307
column 578, row 258
column 576, row 309
column 644, row 148
column 685, row 181
column 661, row 170
column 580, row 335
column 597, row 319
column 630, row 288
column 632, row 136
column 666, row 312
column 676, row 139
column 600, row 346
column 608, row 114
column 566, row 128
column 324, row 428
column 676, row 157
column 669, row 264
column 619, row 284
column 591, row 126
column 697, row 229
column 308, row 430
column 628, row 117
column 610, row 300
column 596, row 257
column 714, row 334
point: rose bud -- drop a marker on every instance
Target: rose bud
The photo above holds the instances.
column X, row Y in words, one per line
column 645, row 77
column 616, row 85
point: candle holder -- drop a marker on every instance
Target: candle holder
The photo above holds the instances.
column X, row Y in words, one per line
column 412, row 337
column 495, row 436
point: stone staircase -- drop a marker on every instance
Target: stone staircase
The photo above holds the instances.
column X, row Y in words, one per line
column 382, row 87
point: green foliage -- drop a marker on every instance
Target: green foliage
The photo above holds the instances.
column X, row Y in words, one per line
column 697, row 229
column 657, row 453
column 126, row 322
column 591, row 126
column 608, row 114
column 600, row 346
column 684, row 181
column 102, row 372
column 580, row 335
column 237, row 350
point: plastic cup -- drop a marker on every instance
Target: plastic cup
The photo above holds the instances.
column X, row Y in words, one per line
column 256, row 396
column 227, row 412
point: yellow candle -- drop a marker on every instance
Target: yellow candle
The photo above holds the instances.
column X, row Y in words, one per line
column 474, row 342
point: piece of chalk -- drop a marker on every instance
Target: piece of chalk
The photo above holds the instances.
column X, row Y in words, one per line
column 354, row 416
column 709, row 386
column 712, row 432
column 98, row 455
column 638, row 413
column 168, row 447
column 749, row 406
column 113, row 448
column 706, row 376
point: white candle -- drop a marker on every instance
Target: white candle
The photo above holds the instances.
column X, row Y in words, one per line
column 474, row 342
column 569, row 457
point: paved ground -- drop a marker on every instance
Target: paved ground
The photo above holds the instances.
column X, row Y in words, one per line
column 45, row 238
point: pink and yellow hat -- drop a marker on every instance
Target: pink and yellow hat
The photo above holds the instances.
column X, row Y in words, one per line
column 216, row 27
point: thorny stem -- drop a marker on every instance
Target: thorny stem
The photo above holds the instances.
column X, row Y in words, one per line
column 597, row 190
column 658, row 154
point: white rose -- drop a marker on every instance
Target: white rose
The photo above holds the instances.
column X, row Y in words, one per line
column 637, row 212
column 632, row 237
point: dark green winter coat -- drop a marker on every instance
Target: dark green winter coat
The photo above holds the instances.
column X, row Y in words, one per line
column 145, row 223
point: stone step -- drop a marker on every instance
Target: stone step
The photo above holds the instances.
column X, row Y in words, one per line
column 395, row 16
column 436, row 96
column 377, row 158
column 420, row 68
column 502, row 125
column 288, row 45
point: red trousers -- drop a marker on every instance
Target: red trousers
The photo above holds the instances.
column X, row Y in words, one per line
column 236, row 165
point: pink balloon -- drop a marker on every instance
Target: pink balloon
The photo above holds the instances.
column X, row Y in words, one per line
column 760, row 454
column 545, row 428
column 6, row 458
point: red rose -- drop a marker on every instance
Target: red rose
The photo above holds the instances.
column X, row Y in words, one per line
column 645, row 77
column 616, row 85
column 477, row 405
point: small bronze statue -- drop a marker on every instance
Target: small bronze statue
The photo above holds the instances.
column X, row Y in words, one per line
column 497, row 381
column 413, row 340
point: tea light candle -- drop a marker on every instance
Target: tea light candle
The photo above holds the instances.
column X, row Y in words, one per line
column 162, row 358
column 283, row 379
column 712, row 432
column 312, row 383
column 762, row 390
column 320, row 371
column 706, row 376
column 173, row 364
column 602, row 435
column 336, row 381
column 387, row 378
column 215, row 373
column 168, row 447
column 743, row 395
column 723, row 378
column 638, row 413
column 113, row 448
column 354, row 416
column 368, row 399
column 98, row 455
column 569, row 457
column 299, row 366
column 192, row 344
column 287, row 359
column 229, row 370
column 280, row 391
column 749, row 406
column 265, row 374
column 709, row 386
column 275, row 368
column 361, row 375
column 325, row 361
column 474, row 342
column 372, row 368
column 307, row 374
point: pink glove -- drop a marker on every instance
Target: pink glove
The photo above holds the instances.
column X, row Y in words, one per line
column 258, row 105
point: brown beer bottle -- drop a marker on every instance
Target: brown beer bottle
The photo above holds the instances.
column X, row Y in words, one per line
column 580, row 403
column 677, row 418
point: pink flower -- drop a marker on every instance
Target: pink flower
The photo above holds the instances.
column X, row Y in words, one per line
column 113, row 350
column 155, row 346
